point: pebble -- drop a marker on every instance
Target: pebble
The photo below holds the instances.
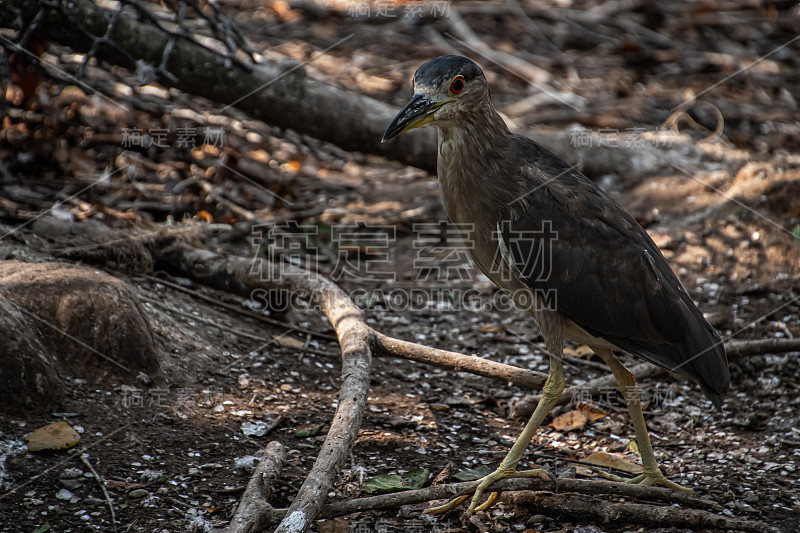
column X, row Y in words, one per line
column 71, row 473
column 138, row 493
column 257, row 428
column 71, row 483
column 536, row 519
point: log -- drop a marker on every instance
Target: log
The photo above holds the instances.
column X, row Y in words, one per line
column 282, row 94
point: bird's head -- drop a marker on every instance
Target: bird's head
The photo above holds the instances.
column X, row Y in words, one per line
column 444, row 89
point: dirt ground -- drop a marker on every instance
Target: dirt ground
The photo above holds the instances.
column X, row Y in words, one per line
column 177, row 446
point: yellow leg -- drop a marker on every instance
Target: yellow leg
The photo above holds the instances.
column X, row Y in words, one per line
column 553, row 388
column 627, row 385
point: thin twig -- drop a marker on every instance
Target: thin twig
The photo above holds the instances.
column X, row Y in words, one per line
column 218, row 195
column 85, row 460
column 527, row 71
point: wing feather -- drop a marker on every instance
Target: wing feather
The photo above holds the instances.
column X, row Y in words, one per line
column 568, row 238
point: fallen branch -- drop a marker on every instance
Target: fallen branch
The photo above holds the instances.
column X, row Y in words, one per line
column 511, row 62
column 254, row 511
column 285, row 96
column 357, row 340
column 761, row 346
column 581, row 486
column 570, row 506
column 526, row 379
column 279, row 94
column 215, row 274
column 242, row 275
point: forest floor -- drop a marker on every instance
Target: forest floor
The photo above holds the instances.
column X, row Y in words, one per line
column 177, row 451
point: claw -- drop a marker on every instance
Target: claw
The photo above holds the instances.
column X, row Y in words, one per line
column 481, row 488
column 488, row 503
column 648, row 479
column 449, row 506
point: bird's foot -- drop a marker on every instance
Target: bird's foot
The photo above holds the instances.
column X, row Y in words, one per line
column 648, row 478
column 498, row 474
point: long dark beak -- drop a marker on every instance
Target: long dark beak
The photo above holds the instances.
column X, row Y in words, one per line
column 419, row 111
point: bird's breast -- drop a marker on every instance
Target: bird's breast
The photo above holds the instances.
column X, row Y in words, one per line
column 474, row 203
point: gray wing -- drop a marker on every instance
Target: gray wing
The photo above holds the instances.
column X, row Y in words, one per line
column 590, row 260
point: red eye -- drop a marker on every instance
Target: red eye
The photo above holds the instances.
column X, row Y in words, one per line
column 458, row 85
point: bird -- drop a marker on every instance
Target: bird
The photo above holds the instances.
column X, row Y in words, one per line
column 567, row 252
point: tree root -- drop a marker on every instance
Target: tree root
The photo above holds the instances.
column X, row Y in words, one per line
column 254, row 513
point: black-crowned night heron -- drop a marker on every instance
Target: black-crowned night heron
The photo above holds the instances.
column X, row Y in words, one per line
column 566, row 251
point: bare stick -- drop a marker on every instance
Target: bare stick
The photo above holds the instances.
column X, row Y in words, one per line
column 254, row 512
column 355, row 339
column 527, row 379
column 219, row 196
column 581, row 486
column 597, row 510
column 761, row 346
column 85, row 460
column 246, row 276
column 520, row 67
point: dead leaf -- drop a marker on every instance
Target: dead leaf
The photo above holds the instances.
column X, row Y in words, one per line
column 291, row 166
column 570, row 421
column 56, row 436
column 204, row 215
column 289, row 342
column 594, row 413
column 612, row 461
column 634, row 447
column 582, row 351
column 259, row 155
column 445, row 475
column 284, row 10
column 492, row 328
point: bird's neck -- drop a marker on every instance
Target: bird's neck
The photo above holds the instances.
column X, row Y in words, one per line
column 474, row 167
column 470, row 151
column 476, row 134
